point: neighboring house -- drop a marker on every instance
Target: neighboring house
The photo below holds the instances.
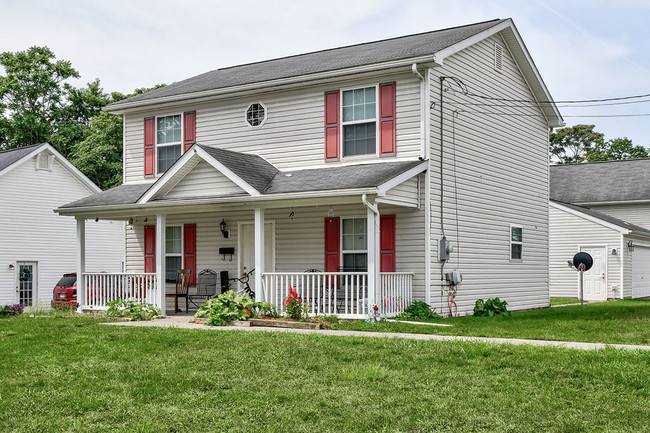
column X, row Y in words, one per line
column 39, row 246
column 332, row 161
column 602, row 208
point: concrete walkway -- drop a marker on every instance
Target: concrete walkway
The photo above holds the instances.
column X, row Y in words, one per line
column 185, row 323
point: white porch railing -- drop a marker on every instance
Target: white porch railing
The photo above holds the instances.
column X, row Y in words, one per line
column 102, row 288
column 395, row 292
column 344, row 294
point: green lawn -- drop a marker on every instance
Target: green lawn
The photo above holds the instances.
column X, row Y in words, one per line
column 74, row 375
column 623, row 322
column 562, row 301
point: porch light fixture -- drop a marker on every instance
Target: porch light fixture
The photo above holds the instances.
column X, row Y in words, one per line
column 222, row 227
column 614, row 251
column 630, row 246
column 11, row 267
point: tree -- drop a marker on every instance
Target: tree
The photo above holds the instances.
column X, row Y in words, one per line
column 573, row 144
column 99, row 154
column 618, row 148
column 31, row 95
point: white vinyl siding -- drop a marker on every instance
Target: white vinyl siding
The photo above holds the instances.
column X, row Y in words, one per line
column 406, row 192
column 497, row 171
column 31, row 231
column 634, row 213
column 567, row 233
column 293, row 134
column 203, row 181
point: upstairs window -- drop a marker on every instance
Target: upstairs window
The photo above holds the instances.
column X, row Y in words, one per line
column 359, row 121
column 169, row 140
column 256, row 114
column 516, row 242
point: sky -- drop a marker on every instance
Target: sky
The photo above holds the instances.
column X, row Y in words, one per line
column 583, row 49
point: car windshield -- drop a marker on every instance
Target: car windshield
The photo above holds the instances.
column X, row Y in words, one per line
column 67, row 282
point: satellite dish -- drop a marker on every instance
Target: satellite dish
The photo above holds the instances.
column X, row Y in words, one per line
column 583, row 261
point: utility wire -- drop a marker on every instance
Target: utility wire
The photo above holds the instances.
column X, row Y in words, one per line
column 575, row 101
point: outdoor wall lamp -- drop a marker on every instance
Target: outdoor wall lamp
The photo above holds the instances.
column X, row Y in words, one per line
column 11, row 267
column 630, row 246
column 223, row 226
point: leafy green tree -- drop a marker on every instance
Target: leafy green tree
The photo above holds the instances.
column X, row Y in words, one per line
column 618, row 148
column 31, row 95
column 574, row 143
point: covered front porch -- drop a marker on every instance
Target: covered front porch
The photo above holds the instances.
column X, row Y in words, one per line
column 344, row 237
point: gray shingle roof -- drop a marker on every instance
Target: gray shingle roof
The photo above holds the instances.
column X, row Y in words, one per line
column 401, row 48
column 607, row 218
column 123, row 194
column 253, row 169
column 8, row 157
column 601, row 181
column 338, row 178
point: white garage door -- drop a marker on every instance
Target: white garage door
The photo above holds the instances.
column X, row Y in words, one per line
column 640, row 272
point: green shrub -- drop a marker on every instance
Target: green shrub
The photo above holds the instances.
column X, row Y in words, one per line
column 132, row 310
column 11, row 310
column 491, row 307
column 225, row 308
column 264, row 309
column 418, row 310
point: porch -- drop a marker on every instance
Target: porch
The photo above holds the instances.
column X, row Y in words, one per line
column 344, row 294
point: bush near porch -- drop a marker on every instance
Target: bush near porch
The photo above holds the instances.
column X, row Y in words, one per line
column 617, row 322
column 74, row 375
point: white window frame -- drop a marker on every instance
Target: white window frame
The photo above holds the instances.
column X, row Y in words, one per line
column 341, row 261
column 182, row 253
column 159, row 145
column 514, row 259
column 356, row 122
column 266, row 115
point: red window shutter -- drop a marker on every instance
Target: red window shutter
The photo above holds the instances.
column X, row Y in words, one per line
column 387, row 243
column 189, row 127
column 150, row 248
column 387, row 112
column 332, row 125
column 189, row 250
column 149, row 146
column 332, row 244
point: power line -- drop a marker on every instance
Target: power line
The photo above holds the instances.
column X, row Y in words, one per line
column 575, row 101
column 532, row 104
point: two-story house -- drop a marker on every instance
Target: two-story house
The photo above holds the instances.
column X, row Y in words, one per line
column 355, row 175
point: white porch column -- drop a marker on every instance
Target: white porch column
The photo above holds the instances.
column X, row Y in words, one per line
column 161, row 232
column 373, row 256
column 259, row 253
column 81, row 262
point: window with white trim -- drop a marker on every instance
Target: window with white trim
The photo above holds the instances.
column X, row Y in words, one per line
column 173, row 252
column 359, row 121
column 169, row 141
column 354, row 245
column 516, row 242
column 256, row 114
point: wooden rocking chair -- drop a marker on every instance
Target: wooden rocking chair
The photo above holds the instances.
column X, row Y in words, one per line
column 182, row 288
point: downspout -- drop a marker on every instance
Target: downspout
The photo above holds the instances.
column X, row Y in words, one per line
column 425, row 131
column 376, row 278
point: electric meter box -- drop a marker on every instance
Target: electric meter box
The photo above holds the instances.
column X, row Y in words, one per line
column 444, row 249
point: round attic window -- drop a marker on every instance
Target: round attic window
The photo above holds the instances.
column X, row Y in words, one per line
column 256, row 114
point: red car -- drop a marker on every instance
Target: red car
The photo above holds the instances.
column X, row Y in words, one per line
column 65, row 291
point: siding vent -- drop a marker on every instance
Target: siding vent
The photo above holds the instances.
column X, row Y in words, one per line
column 44, row 161
column 498, row 57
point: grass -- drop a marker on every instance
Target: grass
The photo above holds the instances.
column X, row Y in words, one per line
column 74, row 375
column 621, row 322
column 562, row 301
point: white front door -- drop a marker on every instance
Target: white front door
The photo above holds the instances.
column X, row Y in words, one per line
column 247, row 249
column 595, row 279
column 26, row 283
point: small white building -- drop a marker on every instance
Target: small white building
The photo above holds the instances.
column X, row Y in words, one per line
column 37, row 245
column 602, row 208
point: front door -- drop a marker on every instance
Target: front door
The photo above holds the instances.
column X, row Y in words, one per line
column 26, row 283
column 595, row 279
column 247, row 249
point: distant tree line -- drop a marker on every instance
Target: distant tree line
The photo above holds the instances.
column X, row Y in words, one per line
column 580, row 143
column 38, row 106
